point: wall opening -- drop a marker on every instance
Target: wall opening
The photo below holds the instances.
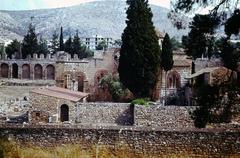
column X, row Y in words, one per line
column 173, row 80
column 64, row 113
column 26, row 71
column 80, row 83
column 50, row 72
column 4, row 70
column 38, row 72
column 14, row 70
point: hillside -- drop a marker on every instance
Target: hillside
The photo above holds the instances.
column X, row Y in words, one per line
column 106, row 18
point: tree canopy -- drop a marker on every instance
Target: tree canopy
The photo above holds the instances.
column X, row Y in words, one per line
column 139, row 63
column 12, row 48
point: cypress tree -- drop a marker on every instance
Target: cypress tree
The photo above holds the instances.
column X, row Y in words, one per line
column 167, row 54
column 167, row 57
column 61, row 44
column 139, row 63
column 30, row 42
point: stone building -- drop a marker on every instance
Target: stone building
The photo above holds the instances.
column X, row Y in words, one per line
column 71, row 73
column 176, row 78
column 54, row 104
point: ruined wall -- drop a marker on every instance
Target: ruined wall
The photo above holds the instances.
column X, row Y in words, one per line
column 50, row 105
column 104, row 113
column 153, row 142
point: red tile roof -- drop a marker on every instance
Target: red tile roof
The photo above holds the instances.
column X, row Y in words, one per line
column 61, row 93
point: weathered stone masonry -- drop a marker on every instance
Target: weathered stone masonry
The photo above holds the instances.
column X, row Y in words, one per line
column 197, row 143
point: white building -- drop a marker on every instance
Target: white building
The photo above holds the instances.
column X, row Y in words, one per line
column 92, row 42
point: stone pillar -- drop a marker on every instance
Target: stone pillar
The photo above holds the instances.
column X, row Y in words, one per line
column 31, row 72
column 19, row 71
column 10, row 71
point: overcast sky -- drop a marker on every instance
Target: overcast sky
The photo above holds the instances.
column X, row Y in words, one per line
column 40, row 4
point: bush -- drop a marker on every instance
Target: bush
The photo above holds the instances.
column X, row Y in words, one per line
column 141, row 101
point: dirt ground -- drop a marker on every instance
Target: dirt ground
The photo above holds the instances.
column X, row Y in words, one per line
column 12, row 92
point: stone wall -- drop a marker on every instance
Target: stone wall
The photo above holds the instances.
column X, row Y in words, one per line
column 152, row 142
column 175, row 117
column 104, row 113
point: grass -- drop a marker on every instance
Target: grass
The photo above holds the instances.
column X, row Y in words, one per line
column 141, row 101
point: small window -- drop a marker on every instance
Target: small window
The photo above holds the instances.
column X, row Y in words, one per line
column 37, row 114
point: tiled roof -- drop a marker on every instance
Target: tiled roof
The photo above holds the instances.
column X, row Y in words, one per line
column 61, row 93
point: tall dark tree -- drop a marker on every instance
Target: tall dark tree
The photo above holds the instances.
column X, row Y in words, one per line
column 12, row 48
column 139, row 63
column 61, row 43
column 166, row 56
column 42, row 46
column 68, row 46
column 30, row 42
column 55, row 43
column 232, row 25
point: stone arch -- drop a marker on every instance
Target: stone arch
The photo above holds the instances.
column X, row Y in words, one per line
column 26, row 71
column 173, row 79
column 64, row 113
column 74, row 80
column 4, row 70
column 99, row 75
column 14, row 70
column 38, row 72
column 50, row 72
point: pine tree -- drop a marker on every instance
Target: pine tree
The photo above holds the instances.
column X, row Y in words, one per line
column 43, row 47
column 61, row 44
column 139, row 64
column 30, row 42
column 55, row 43
column 68, row 46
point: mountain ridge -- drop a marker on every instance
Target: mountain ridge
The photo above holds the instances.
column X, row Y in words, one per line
column 92, row 18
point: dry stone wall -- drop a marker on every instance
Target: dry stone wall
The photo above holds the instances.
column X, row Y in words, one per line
column 191, row 143
column 105, row 113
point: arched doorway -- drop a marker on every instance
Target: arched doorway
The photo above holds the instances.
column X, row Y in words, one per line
column 50, row 72
column 26, row 71
column 14, row 70
column 64, row 113
column 38, row 73
column 4, row 70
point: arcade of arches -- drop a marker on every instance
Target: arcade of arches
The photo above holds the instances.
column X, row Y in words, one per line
column 27, row 71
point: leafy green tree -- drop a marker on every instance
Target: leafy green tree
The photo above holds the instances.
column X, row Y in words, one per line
column 43, row 47
column 232, row 25
column 54, row 43
column 175, row 44
column 12, row 48
column 118, row 43
column 76, row 44
column 101, row 45
column 61, row 43
column 139, row 63
column 30, row 42
column 2, row 48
